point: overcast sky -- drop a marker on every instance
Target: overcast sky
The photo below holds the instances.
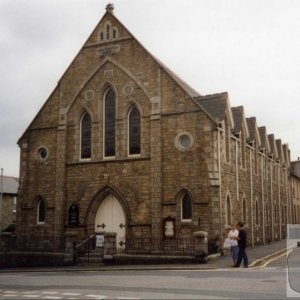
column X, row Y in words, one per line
column 249, row 48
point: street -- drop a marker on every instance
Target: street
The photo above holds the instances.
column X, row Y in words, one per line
column 256, row 283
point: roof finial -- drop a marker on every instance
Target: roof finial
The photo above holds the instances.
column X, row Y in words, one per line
column 110, row 8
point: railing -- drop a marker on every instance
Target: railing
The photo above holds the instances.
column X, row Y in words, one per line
column 156, row 246
column 34, row 244
column 87, row 251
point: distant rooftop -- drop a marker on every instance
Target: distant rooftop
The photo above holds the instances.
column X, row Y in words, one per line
column 10, row 185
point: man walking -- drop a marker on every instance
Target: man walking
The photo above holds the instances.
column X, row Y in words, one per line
column 242, row 243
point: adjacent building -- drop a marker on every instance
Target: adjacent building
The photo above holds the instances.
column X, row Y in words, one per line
column 8, row 202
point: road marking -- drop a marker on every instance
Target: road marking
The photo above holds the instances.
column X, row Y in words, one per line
column 51, row 297
column 97, row 296
column 11, row 295
column 128, row 298
column 10, row 292
column 49, row 293
column 30, row 296
column 71, row 294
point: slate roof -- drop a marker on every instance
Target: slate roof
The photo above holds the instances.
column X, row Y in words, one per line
column 279, row 149
column 193, row 93
column 10, row 185
column 214, row 104
column 238, row 114
column 251, row 123
column 273, row 147
column 263, row 137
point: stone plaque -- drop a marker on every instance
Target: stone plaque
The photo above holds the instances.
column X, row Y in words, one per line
column 73, row 215
column 169, row 227
column 127, row 89
column 99, row 240
column 89, row 95
column 107, row 50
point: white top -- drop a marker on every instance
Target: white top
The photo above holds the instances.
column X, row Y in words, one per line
column 233, row 233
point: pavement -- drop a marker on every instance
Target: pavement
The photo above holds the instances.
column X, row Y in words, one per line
column 257, row 256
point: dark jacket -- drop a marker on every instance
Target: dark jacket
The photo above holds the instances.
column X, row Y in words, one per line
column 242, row 241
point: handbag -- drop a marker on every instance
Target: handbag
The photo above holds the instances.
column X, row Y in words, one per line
column 227, row 243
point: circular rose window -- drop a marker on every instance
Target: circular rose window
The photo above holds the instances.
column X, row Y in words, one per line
column 184, row 141
column 42, row 153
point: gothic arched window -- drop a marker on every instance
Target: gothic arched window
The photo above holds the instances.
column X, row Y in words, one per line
column 109, row 123
column 41, row 210
column 86, row 136
column 186, row 208
column 244, row 213
column 134, row 132
column 228, row 210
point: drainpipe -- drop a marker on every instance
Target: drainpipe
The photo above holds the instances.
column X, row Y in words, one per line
column 251, row 199
column 263, row 199
column 237, row 170
column 220, row 183
column 279, row 175
column 272, row 202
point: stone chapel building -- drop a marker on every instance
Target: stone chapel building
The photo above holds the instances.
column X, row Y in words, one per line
column 124, row 145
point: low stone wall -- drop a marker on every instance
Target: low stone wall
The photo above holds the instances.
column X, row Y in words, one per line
column 18, row 259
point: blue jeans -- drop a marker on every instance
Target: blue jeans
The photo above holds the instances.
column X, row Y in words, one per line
column 242, row 256
column 234, row 253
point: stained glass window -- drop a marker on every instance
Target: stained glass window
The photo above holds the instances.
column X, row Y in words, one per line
column 41, row 210
column 186, row 207
column 86, row 136
column 134, row 132
column 110, row 123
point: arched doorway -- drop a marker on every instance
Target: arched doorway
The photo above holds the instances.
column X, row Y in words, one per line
column 110, row 217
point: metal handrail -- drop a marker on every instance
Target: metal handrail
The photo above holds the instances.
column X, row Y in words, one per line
column 91, row 236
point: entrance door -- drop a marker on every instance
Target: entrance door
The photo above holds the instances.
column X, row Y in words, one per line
column 110, row 217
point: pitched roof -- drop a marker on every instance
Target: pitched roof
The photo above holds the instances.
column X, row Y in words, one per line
column 273, row 147
column 264, row 139
column 215, row 105
column 239, row 120
column 253, row 130
column 10, row 185
column 279, row 149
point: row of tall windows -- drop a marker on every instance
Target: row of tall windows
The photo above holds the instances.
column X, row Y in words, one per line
column 109, row 122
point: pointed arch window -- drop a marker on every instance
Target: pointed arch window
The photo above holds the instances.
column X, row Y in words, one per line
column 41, row 211
column 228, row 210
column 244, row 213
column 134, row 132
column 256, row 213
column 186, row 208
column 86, row 136
column 109, row 123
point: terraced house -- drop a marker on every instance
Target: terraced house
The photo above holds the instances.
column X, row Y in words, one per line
column 124, row 145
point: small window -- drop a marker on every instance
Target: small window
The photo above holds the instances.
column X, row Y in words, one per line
column 107, row 32
column 41, row 211
column 186, row 208
column 42, row 153
column 134, row 128
column 101, row 36
column 86, row 136
column 185, row 141
column 114, row 33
